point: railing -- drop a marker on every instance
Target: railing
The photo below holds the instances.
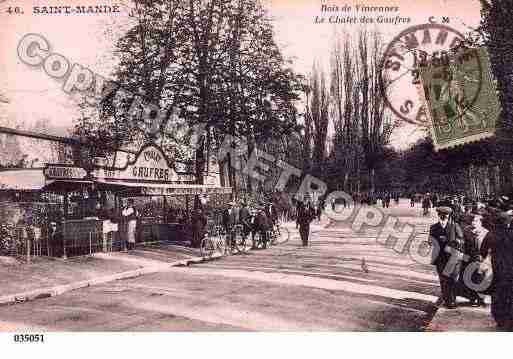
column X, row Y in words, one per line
column 24, row 241
column 80, row 243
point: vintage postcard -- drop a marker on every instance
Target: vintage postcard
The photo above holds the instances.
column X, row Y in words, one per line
column 255, row 165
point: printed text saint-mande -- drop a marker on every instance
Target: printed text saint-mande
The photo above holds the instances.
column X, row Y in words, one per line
column 80, row 10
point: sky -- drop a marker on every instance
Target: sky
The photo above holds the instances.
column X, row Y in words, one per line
column 87, row 39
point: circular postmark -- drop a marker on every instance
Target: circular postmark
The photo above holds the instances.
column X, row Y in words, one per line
column 456, row 73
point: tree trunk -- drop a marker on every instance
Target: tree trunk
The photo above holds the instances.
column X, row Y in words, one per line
column 372, row 175
column 251, row 147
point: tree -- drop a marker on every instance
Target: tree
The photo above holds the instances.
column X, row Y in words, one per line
column 318, row 118
column 376, row 126
column 498, row 30
column 346, row 151
column 216, row 61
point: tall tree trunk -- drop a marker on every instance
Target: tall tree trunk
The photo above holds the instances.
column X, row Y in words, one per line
column 372, row 175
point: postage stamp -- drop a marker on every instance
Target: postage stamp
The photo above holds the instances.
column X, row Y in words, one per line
column 461, row 100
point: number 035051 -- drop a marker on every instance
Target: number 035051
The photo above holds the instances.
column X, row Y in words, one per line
column 29, row 338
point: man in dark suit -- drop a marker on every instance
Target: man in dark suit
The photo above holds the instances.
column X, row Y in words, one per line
column 449, row 239
column 271, row 212
column 305, row 215
column 262, row 224
column 230, row 219
column 245, row 219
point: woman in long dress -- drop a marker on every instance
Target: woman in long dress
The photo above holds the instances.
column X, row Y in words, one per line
column 130, row 217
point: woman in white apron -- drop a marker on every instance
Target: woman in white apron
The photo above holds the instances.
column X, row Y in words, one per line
column 130, row 218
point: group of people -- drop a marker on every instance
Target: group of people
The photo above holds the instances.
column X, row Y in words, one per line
column 260, row 218
column 473, row 254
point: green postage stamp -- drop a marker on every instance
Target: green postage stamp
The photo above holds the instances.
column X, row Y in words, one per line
column 460, row 98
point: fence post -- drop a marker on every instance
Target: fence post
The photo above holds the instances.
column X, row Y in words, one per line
column 64, row 254
column 28, row 249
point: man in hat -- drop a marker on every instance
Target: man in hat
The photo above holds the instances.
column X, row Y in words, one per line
column 447, row 254
column 230, row 219
column 474, row 234
column 305, row 215
column 262, row 225
column 245, row 219
column 426, row 204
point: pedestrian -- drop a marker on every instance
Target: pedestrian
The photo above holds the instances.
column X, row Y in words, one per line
column 245, row 219
column 271, row 212
column 199, row 224
column 426, row 204
column 305, row 216
column 434, row 200
column 318, row 211
column 500, row 244
column 262, row 225
column 447, row 239
column 474, row 235
column 230, row 219
column 412, row 200
column 130, row 219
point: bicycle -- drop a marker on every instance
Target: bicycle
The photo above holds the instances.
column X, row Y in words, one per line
column 278, row 235
column 215, row 239
column 240, row 239
column 262, row 239
column 7, row 239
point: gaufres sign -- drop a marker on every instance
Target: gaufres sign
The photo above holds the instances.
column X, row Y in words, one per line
column 149, row 166
column 63, row 172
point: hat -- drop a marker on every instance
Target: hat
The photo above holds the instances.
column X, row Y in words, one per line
column 468, row 202
column 505, row 218
column 232, row 203
column 444, row 210
column 479, row 212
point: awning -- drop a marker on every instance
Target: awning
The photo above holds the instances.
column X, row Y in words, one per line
column 162, row 189
column 33, row 179
column 65, row 185
column 22, row 179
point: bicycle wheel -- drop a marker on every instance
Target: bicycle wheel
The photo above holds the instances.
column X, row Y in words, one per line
column 258, row 240
column 240, row 243
column 221, row 244
column 283, row 236
column 207, row 247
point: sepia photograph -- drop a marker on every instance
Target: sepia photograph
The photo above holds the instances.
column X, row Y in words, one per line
column 263, row 166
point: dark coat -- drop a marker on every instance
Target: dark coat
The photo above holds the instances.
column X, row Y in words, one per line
column 426, row 203
column 271, row 212
column 305, row 215
column 245, row 217
column 449, row 237
column 262, row 222
column 230, row 218
column 500, row 245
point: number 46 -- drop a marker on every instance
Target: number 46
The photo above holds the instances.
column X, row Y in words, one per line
column 15, row 10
